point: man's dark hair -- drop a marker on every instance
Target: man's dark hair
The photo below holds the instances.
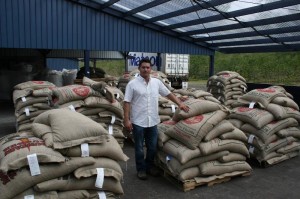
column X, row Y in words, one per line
column 144, row 60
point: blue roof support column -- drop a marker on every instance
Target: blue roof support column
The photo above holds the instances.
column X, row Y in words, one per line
column 87, row 63
column 158, row 62
column 211, row 65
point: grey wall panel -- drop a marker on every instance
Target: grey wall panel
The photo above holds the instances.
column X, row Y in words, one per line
column 61, row 24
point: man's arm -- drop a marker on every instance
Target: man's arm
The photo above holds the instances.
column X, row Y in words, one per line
column 127, row 122
column 180, row 105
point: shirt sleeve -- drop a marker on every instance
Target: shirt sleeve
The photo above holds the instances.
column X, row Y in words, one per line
column 163, row 90
column 128, row 93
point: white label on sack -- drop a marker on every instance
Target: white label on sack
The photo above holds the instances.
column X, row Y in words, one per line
column 251, row 149
column 251, row 138
column 136, row 74
column 104, row 90
column 101, row 195
column 100, row 178
column 168, row 158
column 113, row 119
column 72, row 108
column 110, row 129
column 118, row 96
column 218, row 84
column 27, row 113
column 173, row 108
column 23, row 99
column 33, row 164
column 251, row 105
column 85, row 152
column 29, row 197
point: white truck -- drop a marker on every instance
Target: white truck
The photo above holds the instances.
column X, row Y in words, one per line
column 175, row 66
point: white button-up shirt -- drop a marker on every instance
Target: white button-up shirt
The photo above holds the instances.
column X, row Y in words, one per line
column 143, row 99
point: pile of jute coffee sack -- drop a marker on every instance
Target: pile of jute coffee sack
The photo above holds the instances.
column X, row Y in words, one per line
column 71, row 145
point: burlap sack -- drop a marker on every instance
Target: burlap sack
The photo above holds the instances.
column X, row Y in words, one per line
column 294, row 146
column 192, row 130
column 268, row 156
column 70, row 93
column 108, row 148
column 218, row 168
column 34, row 114
column 33, row 85
column 182, row 153
column 37, row 195
column 25, row 110
column 189, row 173
column 236, row 134
column 261, row 96
column 197, row 107
column 30, row 101
column 111, row 169
column 281, row 112
column 175, row 167
column 24, row 127
column 291, row 131
column 15, row 182
column 90, row 111
column 217, row 145
column 162, row 128
column 109, row 117
column 69, row 182
column 98, row 102
column 166, row 111
column 73, row 105
column 164, row 118
column 200, row 93
column 114, row 130
column 79, row 129
column 285, row 101
column 236, row 122
column 258, row 143
column 266, row 131
column 210, row 98
column 14, row 152
column 83, row 194
column 44, row 92
column 221, row 128
column 232, row 157
column 276, row 160
column 254, row 116
column 17, row 94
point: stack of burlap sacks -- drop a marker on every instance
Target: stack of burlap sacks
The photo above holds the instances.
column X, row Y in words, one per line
column 78, row 160
column 31, row 99
column 99, row 101
column 201, row 145
column 270, row 118
column 227, row 87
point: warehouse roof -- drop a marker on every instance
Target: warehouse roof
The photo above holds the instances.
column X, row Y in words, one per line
column 228, row 26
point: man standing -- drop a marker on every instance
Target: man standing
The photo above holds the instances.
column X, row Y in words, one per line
column 141, row 116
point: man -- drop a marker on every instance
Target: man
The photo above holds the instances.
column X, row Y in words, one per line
column 141, row 116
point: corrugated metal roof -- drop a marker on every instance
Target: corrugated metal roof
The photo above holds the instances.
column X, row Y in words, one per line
column 229, row 26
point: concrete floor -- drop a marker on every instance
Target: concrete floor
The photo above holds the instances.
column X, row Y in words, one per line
column 280, row 181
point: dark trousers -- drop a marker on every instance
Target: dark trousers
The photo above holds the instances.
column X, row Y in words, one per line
column 148, row 136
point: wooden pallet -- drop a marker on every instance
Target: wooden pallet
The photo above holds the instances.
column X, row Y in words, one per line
column 188, row 185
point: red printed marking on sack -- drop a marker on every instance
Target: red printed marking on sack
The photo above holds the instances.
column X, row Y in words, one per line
column 244, row 109
column 81, row 91
column 194, row 120
column 169, row 122
column 6, row 178
column 38, row 82
column 24, row 142
column 266, row 90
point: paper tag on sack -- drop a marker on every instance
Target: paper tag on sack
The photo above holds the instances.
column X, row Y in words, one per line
column 29, row 197
column 85, row 152
column 251, row 149
column 27, row 112
column 113, row 119
column 168, row 158
column 110, row 129
column 101, row 195
column 72, row 108
column 100, row 178
column 104, row 91
column 251, row 105
column 23, row 99
column 251, row 138
column 136, row 75
column 173, row 108
column 33, row 164
column 118, row 96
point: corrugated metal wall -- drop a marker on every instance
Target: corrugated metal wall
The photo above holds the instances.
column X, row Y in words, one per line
column 59, row 64
column 61, row 24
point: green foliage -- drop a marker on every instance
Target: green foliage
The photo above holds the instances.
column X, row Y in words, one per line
column 274, row 68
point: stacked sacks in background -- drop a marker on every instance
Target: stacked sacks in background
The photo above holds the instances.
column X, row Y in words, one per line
column 270, row 118
column 30, row 99
column 82, row 138
column 227, row 86
column 97, row 100
column 191, row 146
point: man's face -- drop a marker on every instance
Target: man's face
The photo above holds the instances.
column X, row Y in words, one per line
column 145, row 70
